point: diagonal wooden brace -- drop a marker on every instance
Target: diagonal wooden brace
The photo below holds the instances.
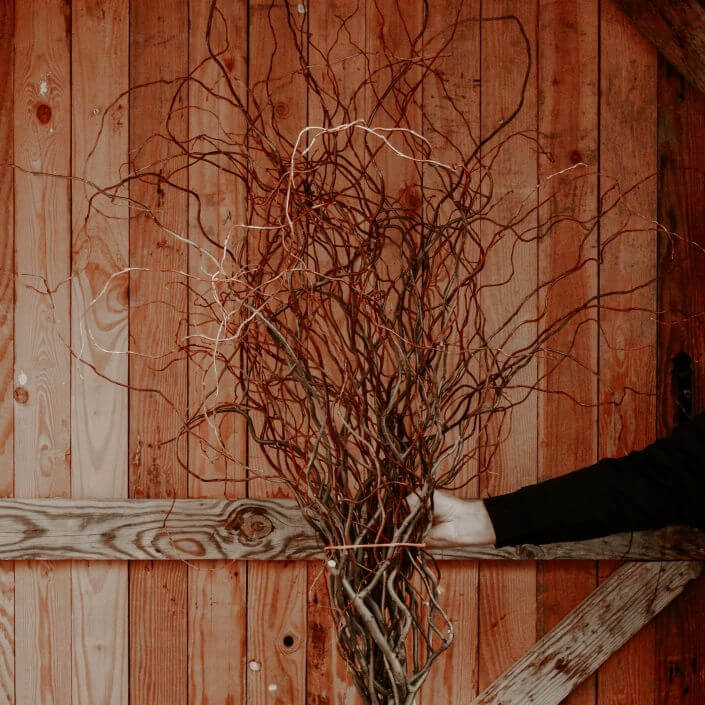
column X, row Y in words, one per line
column 584, row 640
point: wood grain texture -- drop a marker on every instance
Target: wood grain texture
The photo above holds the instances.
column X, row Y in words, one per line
column 61, row 657
column 217, row 622
column 600, row 625
column 680, row 639
column 7, row 633
column 507, row 594
column 568, row 118
column 455, row 35
column 42, row 136
column 7, row 249
column 627, row 342
column 335, row 27
column 99, row 592
column 276, row 593
column 676, row 29
column 210, row 529
column 327, row 679
column 393, row 100
column 217, row 619
column 7, row 349
column 158, row 317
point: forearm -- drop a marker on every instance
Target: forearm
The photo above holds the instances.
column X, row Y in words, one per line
column 574, row 507
column 660, row 485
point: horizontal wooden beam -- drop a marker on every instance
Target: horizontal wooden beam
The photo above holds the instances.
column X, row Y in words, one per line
column 192, row 529
column 579, row 644
column 677, row 29
column 153, row 529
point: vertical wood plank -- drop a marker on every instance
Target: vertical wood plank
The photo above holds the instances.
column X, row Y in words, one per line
column 337, row 30
column 567, row 428
column 393, row 98
column 42, row 116
column 452, row 128
column 276, row 592
column 158, row 316
column 627, row 342
column 680, row 638
column 507, row 592
column 7, row 349
column 216, row 589
column 99, row 421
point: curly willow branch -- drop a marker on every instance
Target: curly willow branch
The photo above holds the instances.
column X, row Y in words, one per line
column 374, row 368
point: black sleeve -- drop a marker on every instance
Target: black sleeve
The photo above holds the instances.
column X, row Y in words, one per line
column 661, row 485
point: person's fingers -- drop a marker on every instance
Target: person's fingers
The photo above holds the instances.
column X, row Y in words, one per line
column 456, row 521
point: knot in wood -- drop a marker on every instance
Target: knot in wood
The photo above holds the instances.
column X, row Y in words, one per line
column 43, row 113
column 281, row 110
column 21, row 395
column 251, row 525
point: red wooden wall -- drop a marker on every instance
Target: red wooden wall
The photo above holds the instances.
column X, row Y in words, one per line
column 224, row 634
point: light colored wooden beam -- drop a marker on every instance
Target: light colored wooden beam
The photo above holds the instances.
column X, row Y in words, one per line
column 153, row 529
column 628, row 600
column 676, row 29
column 247, row 529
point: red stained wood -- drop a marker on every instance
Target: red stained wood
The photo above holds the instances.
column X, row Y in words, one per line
column 393, row 99
column 455, row 35
column 42, row 146
column 7, row 222
column 680, row 638
column 7, row 356
column 568, row 116
column 217, row 625
column 99, row 594
column 627, row 343
column 192, row 632
column 507, row 593
column 677, row 30
column 276, row 593
column 327, row 679
column 158, row 606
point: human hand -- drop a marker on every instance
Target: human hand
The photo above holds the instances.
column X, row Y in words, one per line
column 457, row 522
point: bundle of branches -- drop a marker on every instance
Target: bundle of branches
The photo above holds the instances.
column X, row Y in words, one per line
column 347, row 318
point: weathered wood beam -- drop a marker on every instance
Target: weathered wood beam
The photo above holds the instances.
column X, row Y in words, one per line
column 153, row 529
column 584, row 640
column 677, row 29
column 675, row 543
column 192, row 529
